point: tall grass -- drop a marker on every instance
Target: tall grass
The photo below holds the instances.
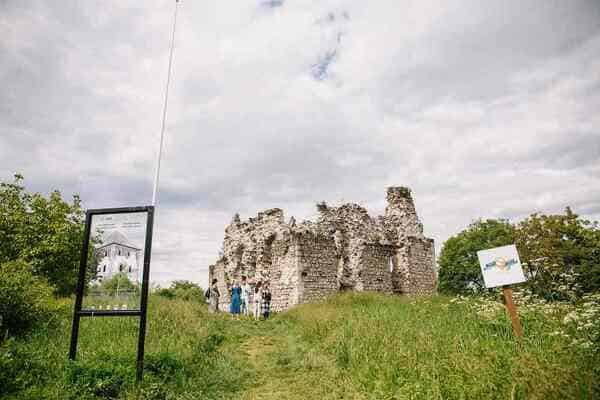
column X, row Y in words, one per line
column 432, row 349
column 354, row 346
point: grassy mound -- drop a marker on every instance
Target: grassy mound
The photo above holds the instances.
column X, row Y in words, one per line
column 355, row 346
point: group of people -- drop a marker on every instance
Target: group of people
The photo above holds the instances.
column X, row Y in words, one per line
column 245, row 299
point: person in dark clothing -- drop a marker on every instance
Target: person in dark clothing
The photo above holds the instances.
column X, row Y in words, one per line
column 213, row 297
column 266, row 301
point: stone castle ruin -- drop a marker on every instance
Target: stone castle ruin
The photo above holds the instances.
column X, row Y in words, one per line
column 345, row 249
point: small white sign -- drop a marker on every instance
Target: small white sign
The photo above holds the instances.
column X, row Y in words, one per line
column 501, row 266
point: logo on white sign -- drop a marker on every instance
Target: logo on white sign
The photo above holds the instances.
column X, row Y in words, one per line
column 501, row 266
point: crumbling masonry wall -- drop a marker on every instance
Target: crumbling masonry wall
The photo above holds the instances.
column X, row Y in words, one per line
column 317, row 260
column 345, row 249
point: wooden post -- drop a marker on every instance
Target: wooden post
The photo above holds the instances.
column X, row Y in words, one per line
column 512, row 311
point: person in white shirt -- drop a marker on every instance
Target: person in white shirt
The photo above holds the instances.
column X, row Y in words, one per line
column 245, row 295
column 257, row 300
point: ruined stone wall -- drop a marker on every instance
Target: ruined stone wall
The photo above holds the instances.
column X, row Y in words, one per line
column 345, row 249
column 318, row 261
column 401, row 272
column 375, row 273
column 285, row 276
column 421, row 256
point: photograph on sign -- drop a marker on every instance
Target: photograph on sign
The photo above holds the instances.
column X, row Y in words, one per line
column 116, row 261
column 501, row 266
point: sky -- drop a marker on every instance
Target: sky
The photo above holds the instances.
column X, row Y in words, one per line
column 483, row 109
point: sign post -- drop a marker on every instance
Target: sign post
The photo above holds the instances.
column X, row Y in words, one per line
column 122, row 245
column 501, row 266
column 512, row 311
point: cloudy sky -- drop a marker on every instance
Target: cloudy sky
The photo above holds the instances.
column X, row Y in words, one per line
column 484, row 109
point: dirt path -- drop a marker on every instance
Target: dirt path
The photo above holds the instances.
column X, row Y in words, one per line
column 286, row 370
column 260, row 353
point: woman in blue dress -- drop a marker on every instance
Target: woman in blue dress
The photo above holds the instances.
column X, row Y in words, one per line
column 236, row 299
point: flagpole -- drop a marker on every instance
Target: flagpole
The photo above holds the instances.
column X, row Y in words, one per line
column 164, row 113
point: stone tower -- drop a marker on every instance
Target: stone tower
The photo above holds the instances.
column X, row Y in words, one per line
column 414, row 260
column 400, row 213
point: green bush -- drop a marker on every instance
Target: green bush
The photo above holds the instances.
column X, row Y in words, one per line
column 163, row 365
column 182, row 290
column 105, row 380
column 19, row 368
column 167, row 293
column 24, row 298
column 562, row 252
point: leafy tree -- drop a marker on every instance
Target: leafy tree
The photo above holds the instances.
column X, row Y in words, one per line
column 459, row 270
column 47, row 233
column 118, row 283
column 562, row 253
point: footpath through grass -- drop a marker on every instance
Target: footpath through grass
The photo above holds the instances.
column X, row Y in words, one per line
column 355, row 346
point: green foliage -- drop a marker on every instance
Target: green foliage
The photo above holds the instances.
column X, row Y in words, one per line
column 164, row 365
column 118, row 283
column 24, row 298
column 459, row 270
column 104, row 380
column 183, row 290
column 19, row 368
column 562, row 253
column 210, row 344
column 45, row 232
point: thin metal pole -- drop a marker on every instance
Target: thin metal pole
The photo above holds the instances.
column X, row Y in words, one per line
column 164, row 114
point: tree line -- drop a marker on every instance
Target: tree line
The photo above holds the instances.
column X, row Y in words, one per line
column 560, row 254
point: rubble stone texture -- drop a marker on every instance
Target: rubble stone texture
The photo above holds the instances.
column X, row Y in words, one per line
column 345, row 249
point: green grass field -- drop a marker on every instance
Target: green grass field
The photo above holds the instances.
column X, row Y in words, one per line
column 355, row 346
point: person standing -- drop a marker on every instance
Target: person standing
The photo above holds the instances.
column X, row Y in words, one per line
column 257, row 300
column 236, row 300
column 245, row 296
column 213, row 297
column 266, row 301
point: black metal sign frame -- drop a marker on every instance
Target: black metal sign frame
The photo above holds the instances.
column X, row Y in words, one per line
column 141, row 312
